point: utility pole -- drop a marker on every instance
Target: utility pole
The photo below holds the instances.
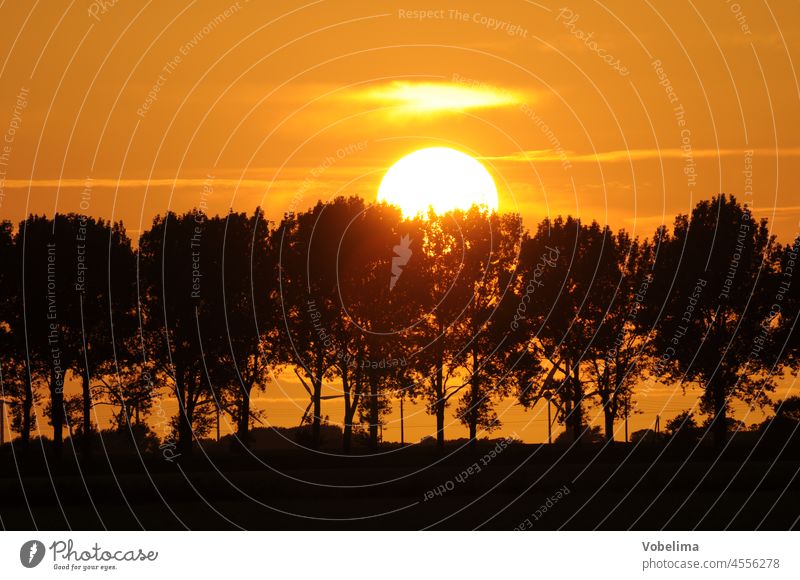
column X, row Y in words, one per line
column 658, row 424
column 402, row 429
column 549, row 424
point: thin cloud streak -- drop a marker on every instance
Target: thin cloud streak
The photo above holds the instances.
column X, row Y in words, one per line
column 284, row 177
column 137, row 183
column 72, row 183
column 436, row 97
column 552, row 155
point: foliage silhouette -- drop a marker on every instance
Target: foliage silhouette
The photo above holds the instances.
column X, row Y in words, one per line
column 473, row 309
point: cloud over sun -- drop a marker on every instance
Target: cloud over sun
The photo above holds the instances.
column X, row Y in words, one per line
column 409, row 97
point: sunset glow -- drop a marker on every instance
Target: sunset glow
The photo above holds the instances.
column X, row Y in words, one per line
column 361, row 266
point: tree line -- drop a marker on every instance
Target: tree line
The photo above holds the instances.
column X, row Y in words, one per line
column 457, row 310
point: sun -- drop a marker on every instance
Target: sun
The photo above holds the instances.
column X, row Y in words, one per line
column 439, row 178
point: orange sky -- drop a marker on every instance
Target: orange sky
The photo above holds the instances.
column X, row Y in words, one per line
column 625, row 112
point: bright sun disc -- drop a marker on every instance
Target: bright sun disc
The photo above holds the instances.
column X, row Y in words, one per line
column 438, row 177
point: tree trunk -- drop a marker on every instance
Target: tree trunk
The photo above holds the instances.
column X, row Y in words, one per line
column 315, row 422
column 568, row 427
column 57, row 413
column 439, row 406
column 347, row 437
column 473, row 430
column 243, row 424
column 27, row 405
column 184, row 418
column 720, row 430
column 609, row 413
column 86, row 443
column 316, row 383
column 374, row 418
column 609, row 420
column 349, row 412
column 474, row 402
column 347, row 432
column 577, row 406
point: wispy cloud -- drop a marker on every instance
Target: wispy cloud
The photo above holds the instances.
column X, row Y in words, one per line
column 622, row 155
column 436, row 97
column 123, row 183
column 258, row 178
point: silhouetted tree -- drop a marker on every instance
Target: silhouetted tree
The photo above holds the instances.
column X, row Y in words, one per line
column 618, row 354
column 366, row 306
column 569, row 270
column 784, row 426
column 106, row 317
column 377, row 307
column 491, row 245
column 311, row 307
column 17, row 382
column 433, row 274
column 251, row 313
column 785, row 339
column 719, row 267
column 180, row 260
column 129, row 391
column 49, row 253
column 683, row 427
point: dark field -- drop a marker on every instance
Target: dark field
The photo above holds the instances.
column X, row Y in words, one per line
column 650, row 487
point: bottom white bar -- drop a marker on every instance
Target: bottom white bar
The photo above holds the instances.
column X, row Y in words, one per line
column 400, row 555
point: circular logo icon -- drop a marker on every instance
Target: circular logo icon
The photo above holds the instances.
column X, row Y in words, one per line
column 31, row 553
